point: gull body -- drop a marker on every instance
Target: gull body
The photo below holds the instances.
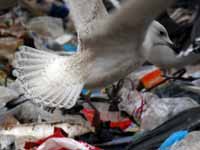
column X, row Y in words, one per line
column 110, row 47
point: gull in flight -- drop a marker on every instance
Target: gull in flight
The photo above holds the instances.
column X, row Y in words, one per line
column 110, row 47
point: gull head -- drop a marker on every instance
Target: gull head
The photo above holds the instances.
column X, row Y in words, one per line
column 158, row 48
column 157, row 35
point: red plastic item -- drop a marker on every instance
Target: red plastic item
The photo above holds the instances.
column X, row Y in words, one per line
column 124, row 124
column 58, row 132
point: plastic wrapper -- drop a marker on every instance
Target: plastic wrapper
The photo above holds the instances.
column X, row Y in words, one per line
column 105, row 114
column 131, row 100
column 160, row 110
column 47, row 26
column 191, row 142
column 44, row 30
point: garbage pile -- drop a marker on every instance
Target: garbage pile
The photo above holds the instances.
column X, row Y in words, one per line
column 147, row 110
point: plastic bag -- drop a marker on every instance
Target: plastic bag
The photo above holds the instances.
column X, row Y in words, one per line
column 45, row 30
column 47, row 26
column 131, row 100
column 160, row 110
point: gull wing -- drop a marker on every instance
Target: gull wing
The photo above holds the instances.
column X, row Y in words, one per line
column 85, row 14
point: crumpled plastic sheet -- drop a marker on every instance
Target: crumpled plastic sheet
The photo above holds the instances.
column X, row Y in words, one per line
column 47, row 26
column 191, row 142
column 44, row 30
column 160, row 110
column 131, row 100
column 156, row 110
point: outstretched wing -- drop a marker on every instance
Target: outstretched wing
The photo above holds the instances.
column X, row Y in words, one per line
column 128, row 24
column 99, row 31
column 48, row 78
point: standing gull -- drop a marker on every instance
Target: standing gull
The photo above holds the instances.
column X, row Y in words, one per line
column 110, row 47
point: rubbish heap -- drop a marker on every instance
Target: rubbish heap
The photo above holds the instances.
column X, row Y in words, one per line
column 144, row 111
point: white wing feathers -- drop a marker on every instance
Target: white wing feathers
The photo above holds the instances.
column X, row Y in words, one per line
column 47, row 78
column 85, row 14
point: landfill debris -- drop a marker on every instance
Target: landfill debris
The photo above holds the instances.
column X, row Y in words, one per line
column 190, row 142
column 44, row 129
column 175, row 89
column 44, row 30
column 161, row 110
column 58, row 140
column 147, row 110
column 153, row 110
column 186, row 120
column 175, row 137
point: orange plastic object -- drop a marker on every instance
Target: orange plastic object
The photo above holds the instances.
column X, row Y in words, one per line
column 152, row 79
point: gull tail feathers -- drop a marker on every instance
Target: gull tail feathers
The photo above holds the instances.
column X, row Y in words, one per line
column 48, row 78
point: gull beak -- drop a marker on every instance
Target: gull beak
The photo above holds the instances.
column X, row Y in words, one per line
column 174, row 47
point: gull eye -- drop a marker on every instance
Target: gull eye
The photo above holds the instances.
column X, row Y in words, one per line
column 162, row 33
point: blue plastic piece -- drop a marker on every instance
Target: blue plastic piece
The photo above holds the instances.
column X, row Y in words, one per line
column 70, row 48
column 84, row 91
column 94, row 92
column 172, row 139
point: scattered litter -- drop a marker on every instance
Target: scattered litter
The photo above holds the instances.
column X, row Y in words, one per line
column 149, row 109
column 161, row 110
column 175, row 137
column 190, row 142
column 44, row 130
